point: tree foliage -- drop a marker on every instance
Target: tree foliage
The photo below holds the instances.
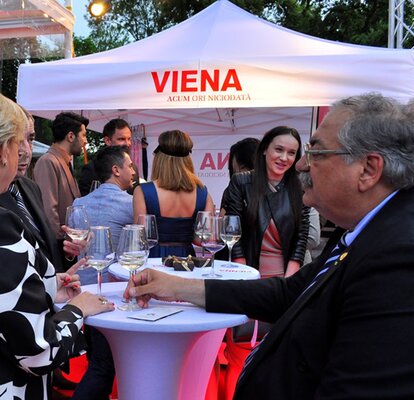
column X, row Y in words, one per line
column 349, row 21
column 126, row 21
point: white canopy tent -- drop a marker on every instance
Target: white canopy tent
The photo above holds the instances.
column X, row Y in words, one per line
column 39, row 149
column 223, row 73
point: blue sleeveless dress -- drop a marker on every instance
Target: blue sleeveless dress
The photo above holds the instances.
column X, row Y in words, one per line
column 175, row 234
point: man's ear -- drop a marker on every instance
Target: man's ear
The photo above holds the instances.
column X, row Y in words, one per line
column 70, row 136
column 115, row 170
column 373, row 166
column 107, row 140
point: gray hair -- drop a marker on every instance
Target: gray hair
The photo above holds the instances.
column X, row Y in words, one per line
column 381, row 125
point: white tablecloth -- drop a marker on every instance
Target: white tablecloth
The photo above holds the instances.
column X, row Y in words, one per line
column 237, row 271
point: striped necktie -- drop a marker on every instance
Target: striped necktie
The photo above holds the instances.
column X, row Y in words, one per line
column 14, row 191
column 337, row 254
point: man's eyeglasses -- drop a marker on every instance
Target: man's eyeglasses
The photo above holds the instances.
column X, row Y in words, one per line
column 311, row 154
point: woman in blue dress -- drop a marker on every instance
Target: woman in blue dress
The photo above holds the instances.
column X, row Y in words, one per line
column 174, row 196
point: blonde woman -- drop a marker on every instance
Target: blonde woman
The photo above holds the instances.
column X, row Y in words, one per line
column 34, row 340
column 174, row 196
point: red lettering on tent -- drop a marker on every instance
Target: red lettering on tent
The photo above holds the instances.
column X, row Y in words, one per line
column 207, row 162
column 213, row 82
column 193, row 80
column 221, row 163
column 174, row 81
column 159, row 87
column 186, row 79
column 232, row 80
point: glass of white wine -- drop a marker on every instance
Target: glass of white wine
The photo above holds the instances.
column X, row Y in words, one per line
column 99, row 250
column 231, row 233
column 132, row 253
column 77, row 222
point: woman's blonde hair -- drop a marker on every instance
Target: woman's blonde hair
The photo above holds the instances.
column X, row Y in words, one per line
column 172, row 166
column 13, row 121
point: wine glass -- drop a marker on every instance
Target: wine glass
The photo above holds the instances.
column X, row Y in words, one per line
column 132, row 253
column 212, row 241
column 94, row 185
column 199, row 229
column 149, row 222
column 231, row 233
column 77, row 222
column 99, row 250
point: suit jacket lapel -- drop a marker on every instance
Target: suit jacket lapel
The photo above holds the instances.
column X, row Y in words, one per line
column 35, row 211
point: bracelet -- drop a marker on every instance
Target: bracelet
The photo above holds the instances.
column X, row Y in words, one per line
column 69, row 258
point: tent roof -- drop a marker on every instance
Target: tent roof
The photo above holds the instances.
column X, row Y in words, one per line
column 39, row 148
column 253, row 64
column 33, row 18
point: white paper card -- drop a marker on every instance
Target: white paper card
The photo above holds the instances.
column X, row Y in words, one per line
column 155, row 313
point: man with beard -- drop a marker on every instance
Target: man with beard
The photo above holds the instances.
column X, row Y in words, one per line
column 344, row 324
column 53, row 172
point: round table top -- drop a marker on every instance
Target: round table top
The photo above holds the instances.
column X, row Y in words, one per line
column 190, row 319
column 236, row 271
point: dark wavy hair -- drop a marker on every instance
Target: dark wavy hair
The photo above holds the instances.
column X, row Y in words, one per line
column 290, row 180
column 66, row 122
column 244, row 152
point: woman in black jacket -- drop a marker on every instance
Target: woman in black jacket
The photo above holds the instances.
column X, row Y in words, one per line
column 275, row 227
column 269, row 202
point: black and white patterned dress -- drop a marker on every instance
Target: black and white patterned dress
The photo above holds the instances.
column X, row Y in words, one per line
column 34, row 339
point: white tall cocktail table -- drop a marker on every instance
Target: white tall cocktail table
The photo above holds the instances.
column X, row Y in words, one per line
column 171, row 358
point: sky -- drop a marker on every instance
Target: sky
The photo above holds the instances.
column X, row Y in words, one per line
column 79, row 10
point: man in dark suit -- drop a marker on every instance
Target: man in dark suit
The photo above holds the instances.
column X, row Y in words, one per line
column 344, row 324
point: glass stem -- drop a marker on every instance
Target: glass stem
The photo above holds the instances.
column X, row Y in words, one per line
column 133, row 300
column 212, row 265
column 99, row 282
column 230, row 249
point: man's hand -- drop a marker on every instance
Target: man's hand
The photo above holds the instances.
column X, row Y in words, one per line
column 158, row 285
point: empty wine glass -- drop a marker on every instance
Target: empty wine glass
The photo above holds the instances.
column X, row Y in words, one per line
column 150, row 224
column 132, row 253
column 212, row 241
column 99, row 250
column 94, row 185
column 199, row 229
column 77, row 222
column 231, row 233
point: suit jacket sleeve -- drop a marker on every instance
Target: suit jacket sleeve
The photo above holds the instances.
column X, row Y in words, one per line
column 262, row 299
column 46, row 176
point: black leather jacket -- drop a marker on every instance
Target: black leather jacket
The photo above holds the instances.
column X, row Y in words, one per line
column 275, row 205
